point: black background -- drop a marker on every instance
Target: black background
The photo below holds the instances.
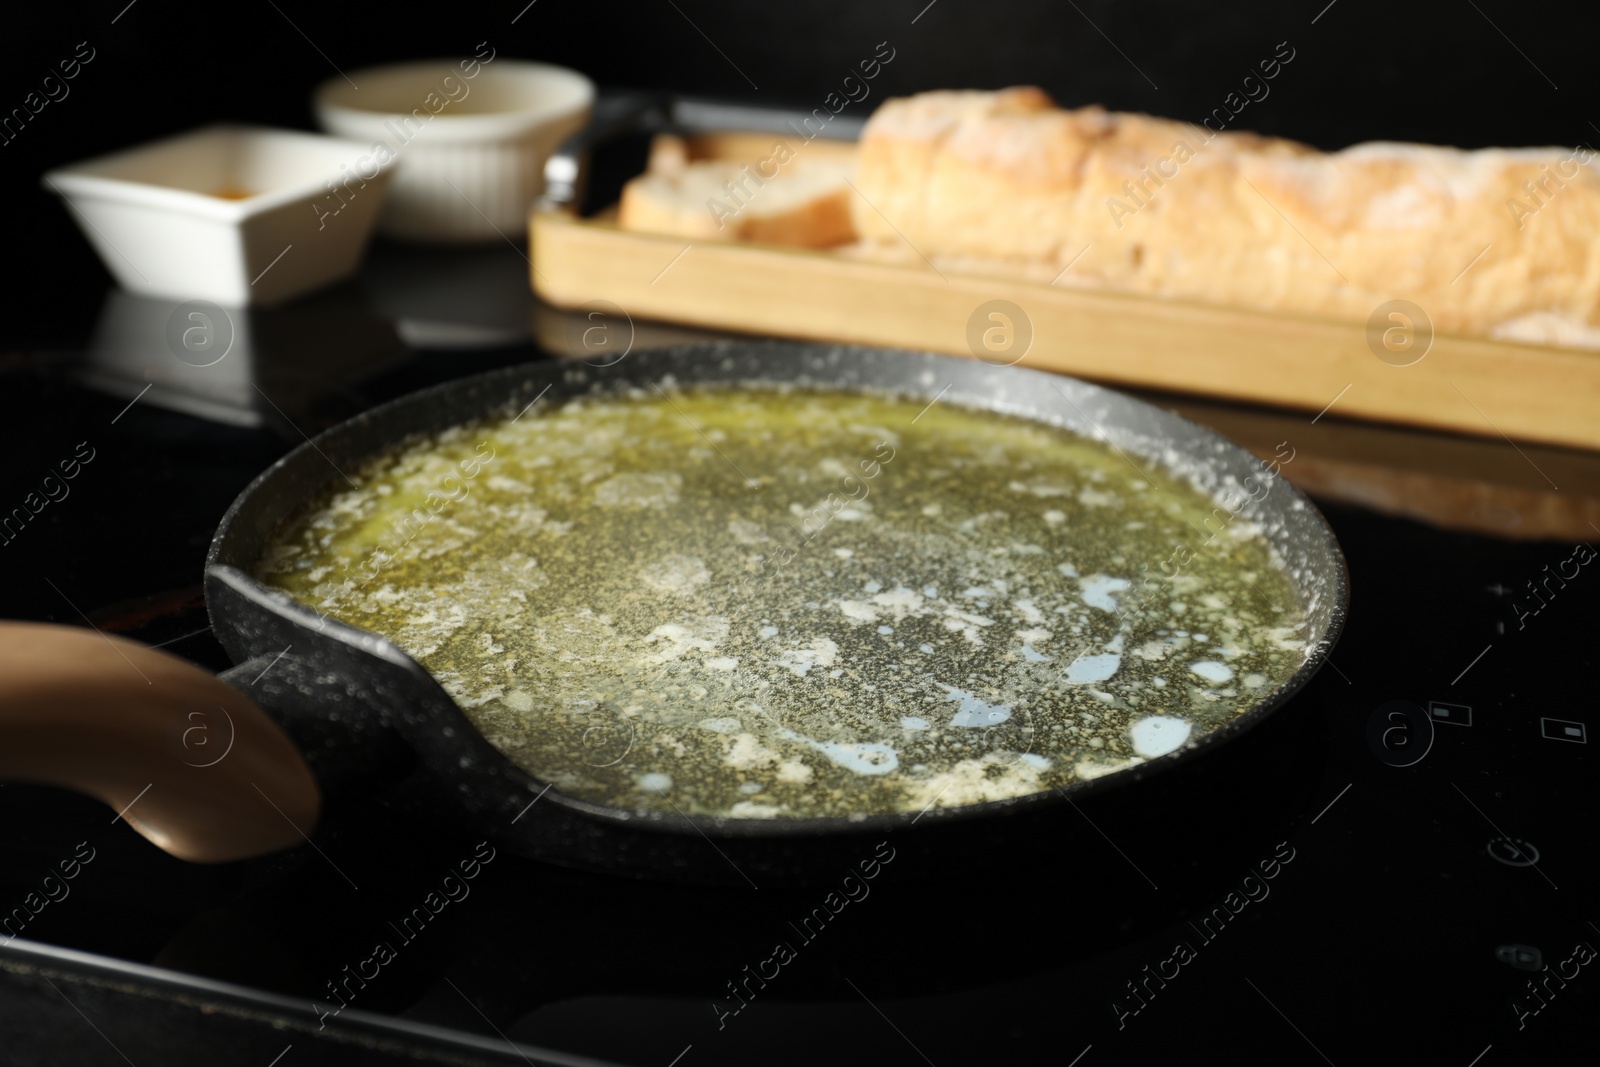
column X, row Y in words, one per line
column 1380, row 942
column 1473, row 73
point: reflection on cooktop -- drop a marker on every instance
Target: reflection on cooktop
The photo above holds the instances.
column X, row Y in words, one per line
column 239, row 365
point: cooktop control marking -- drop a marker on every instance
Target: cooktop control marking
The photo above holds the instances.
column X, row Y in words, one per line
column 1562, row 730
column 1522, row 957
column 1513, row 852
column 1454, row 714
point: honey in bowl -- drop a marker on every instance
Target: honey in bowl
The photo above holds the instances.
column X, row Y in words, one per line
column 232, row 192
column 784, row 604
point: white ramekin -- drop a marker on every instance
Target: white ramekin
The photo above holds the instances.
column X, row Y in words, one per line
column 153, row 212
column 469, row 139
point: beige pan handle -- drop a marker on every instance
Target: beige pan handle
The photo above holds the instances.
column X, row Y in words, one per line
column 190, row 762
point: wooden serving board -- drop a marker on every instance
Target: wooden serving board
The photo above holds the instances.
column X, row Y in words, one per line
column 1466, row 385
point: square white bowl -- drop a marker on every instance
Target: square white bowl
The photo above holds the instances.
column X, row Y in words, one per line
column 294, row 214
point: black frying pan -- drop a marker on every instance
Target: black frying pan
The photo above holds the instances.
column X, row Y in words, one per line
column 365, row 715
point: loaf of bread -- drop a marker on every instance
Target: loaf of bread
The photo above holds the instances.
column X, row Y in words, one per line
column 1498, row 242
column 784, row 201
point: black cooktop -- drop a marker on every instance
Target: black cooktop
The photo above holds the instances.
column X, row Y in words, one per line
column 1404, row 873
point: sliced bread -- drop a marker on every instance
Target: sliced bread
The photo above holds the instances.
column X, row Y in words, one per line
column 795, row 201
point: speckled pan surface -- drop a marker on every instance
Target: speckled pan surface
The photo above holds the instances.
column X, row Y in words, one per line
column 380, row 688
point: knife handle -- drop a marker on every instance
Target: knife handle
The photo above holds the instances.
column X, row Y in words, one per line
column 187, row 760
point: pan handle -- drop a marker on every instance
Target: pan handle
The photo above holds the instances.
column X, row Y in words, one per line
column 189, row 761
column 566, row 171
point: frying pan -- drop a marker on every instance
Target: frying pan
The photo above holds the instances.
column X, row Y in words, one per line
column 199, row 767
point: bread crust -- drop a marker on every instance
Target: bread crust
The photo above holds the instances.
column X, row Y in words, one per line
column 1005, row 181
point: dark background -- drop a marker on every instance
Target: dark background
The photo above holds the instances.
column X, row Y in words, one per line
column 1366, row 70
column 1390, row 925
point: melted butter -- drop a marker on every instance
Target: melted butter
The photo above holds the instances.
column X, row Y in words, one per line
column 795, row 604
